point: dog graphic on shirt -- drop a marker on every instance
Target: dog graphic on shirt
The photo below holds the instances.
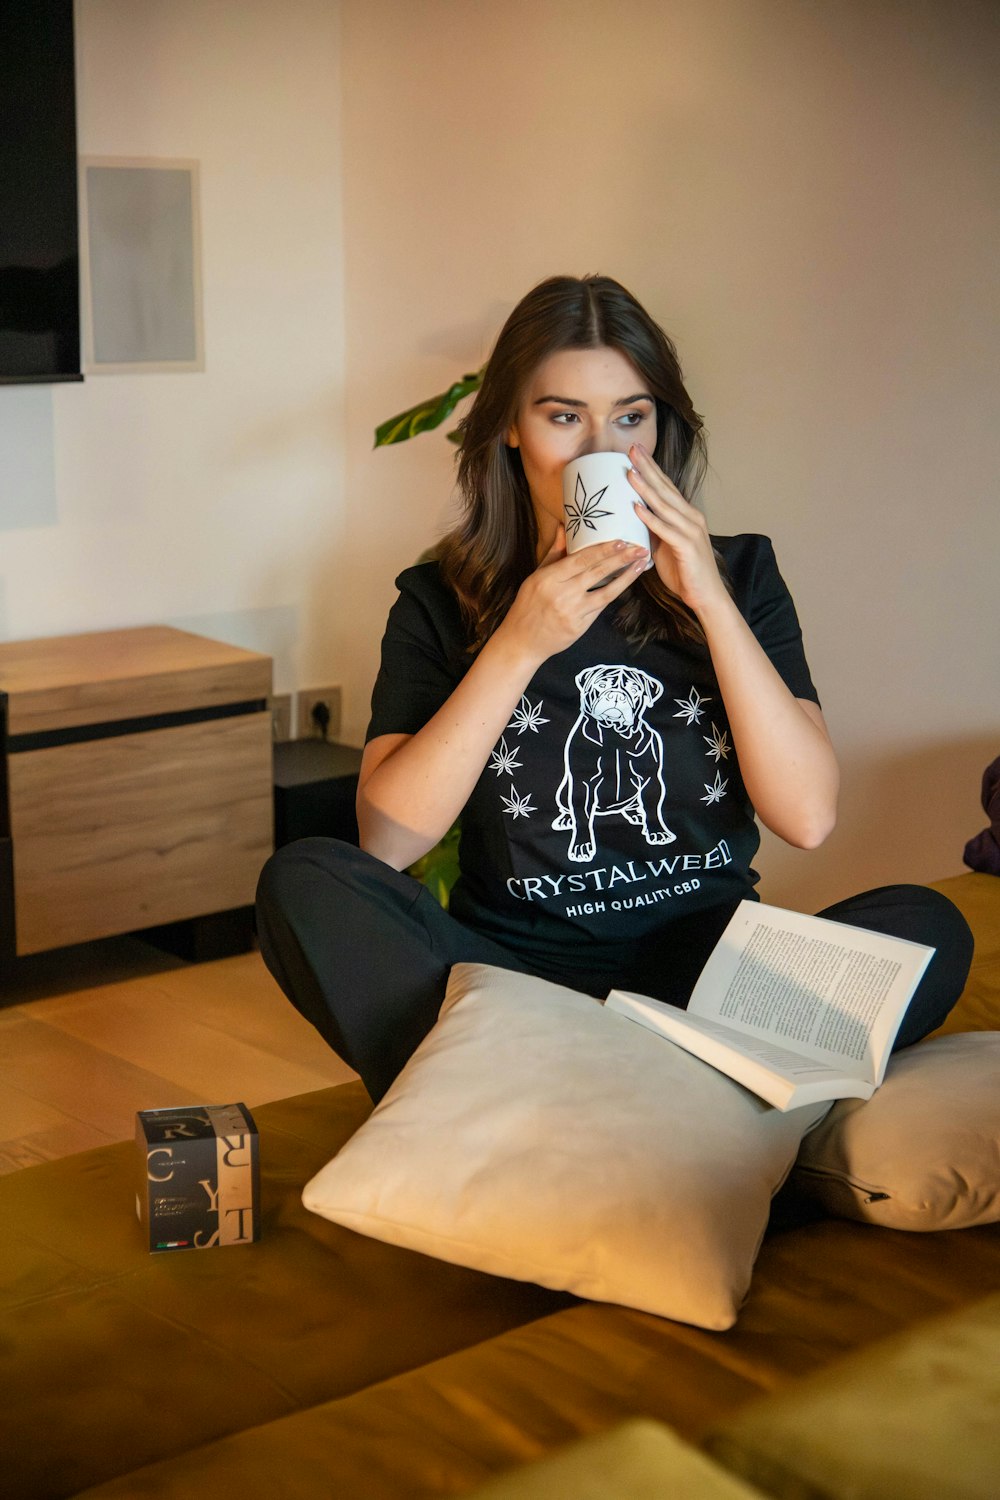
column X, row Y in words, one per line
column 614, row 760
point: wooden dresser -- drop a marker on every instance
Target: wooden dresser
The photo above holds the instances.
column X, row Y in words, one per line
column 135, row 783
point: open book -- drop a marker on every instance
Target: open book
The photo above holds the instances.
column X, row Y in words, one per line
column 798, row 1009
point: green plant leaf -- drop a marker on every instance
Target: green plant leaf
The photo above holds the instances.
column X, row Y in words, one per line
column 428, row 414
column 438, row 868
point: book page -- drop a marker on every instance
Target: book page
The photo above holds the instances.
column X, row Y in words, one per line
column 674, row 1023
column 790, row 1065
column 783, row 1078
column 832, row 993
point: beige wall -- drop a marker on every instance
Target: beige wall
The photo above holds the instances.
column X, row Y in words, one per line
column 803, row 191
column 806, row 196
column 202, row 499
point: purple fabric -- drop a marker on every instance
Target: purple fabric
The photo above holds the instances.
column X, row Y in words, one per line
column 983, row 852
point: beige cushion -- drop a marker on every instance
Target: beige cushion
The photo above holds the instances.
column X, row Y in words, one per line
column 913, row 1417
column 538, row 1136
column 639, row 1460
column 924, row 1151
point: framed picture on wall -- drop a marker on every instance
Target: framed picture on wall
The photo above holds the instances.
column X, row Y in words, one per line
column 140, row 265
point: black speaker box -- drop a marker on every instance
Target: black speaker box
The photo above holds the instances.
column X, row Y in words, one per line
column 315, row 784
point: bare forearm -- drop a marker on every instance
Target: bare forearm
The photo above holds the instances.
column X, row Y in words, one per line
column 786, row 759
column 412, row 788
column 411, row 797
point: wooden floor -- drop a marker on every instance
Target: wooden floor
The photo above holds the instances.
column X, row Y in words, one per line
column 92, row 1034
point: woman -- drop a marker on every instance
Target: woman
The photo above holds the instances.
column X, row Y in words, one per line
column 606, row 730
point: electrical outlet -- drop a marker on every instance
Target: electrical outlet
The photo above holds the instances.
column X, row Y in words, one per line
column 280, row 705
column 308, row 724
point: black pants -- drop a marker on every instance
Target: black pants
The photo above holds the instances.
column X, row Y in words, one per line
column 364, row 952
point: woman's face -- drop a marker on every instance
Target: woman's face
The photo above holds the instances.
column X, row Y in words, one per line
column 577, row 401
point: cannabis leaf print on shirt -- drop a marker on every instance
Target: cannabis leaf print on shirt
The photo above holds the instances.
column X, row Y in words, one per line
column 718, row 743
column 518, row 807
column 692, row 707
column 527, row 715
column 716, row 791
column 504, row 759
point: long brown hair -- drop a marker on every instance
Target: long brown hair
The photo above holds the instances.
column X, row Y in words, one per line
column 492, row 549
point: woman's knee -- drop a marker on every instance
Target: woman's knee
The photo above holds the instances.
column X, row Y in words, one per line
column 941, row 923
column 920, row 915
column 323, row 886
column 300, row 865
column 938, row 923
column 320, row 869
column 915, row 912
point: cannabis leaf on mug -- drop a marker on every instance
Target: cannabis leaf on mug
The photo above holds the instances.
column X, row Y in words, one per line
column 582, row 510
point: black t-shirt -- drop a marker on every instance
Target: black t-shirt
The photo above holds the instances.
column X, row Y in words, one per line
column 612, row 802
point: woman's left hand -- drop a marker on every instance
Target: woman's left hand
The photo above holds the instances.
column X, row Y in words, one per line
column 681, row 546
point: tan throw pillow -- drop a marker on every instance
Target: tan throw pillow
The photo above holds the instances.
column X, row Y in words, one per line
column 912, row 1417
column 536, row 1135
column 924, row 1151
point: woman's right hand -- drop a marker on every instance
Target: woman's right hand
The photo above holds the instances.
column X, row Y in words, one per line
column 557, row 603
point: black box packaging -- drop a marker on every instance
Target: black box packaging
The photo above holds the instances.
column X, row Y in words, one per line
column 199, row 1177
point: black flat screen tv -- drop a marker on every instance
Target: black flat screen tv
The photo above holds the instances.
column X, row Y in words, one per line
column 39, row 244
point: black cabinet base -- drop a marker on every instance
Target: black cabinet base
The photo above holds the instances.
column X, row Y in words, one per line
column 224, row 934
column 199, row 940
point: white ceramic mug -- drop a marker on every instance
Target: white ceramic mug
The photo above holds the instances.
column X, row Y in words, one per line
column 598, row 502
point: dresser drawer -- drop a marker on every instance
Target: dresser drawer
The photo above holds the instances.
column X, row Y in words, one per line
column 137, row 784
column 117, row 834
